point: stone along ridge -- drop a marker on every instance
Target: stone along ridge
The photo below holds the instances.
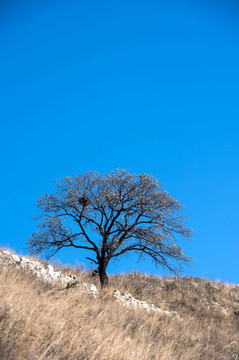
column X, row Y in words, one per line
column 46, row 273
column 128, row 300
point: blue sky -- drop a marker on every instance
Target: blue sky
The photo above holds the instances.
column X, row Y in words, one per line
column 150, row 86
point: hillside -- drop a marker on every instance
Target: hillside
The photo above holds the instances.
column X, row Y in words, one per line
column 39, row 319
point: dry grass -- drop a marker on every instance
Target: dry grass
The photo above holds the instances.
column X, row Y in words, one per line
column 42, row 322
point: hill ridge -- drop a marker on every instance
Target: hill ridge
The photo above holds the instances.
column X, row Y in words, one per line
column 59, row 321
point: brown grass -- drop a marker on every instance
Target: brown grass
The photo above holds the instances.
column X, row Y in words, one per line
column 40, row 322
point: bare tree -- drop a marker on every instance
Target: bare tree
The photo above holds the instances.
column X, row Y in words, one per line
column 111, row 215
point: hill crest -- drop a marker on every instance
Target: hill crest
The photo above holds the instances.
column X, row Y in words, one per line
column 53, row 321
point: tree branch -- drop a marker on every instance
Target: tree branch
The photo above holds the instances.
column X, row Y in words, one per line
column 96, row 262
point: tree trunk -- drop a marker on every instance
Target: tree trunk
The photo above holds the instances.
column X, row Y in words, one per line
column 102, row 273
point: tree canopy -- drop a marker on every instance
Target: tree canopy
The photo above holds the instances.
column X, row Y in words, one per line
column 111, row 215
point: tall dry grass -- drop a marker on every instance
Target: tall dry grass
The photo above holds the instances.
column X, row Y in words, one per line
column 40, row 322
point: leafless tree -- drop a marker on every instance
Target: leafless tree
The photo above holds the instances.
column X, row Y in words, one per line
column 111, row 215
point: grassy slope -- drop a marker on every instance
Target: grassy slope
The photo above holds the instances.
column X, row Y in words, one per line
column 43, row 322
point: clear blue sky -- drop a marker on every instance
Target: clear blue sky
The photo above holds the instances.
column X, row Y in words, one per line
column 150, row 86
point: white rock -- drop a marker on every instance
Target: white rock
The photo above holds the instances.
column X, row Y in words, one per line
column 50, row 269
column 38, row 274
column 195, row 284
column 6, row 252
column 57, row 273
column 30, row 267
column 35, row 264
column 93, row 288
column 24, row 265
column 128, row 300
column 45, row 274
column 43, row 271
column 16, row 258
